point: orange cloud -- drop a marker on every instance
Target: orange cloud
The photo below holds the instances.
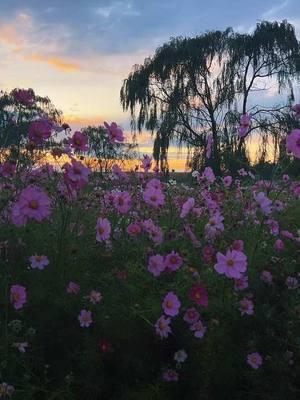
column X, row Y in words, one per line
column 9, row 35
column 56, row 62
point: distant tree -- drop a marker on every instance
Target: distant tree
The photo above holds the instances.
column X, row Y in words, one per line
column 106, row 153
column 17, row 109
column 193, row 87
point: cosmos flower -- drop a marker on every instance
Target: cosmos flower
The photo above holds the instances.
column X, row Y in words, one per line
column 156, row 264
column 254, row 360
column 293, row 142
column 103, row 229
column 85, row 318
column 18, row 296
column 39, row 262
column 162, row 326
column 232, row 265
column 115, row 133
column 171, row 304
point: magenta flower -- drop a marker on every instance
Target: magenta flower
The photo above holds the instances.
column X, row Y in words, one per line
column 191, row 315
column 296, row 109
column 95, row 297
column 24, row 96
column 227, row 180
column 39, row 131
column 241, row 283
column 85, row 318
column 155, row 183
column 73, row 288
column 199, row 329
column 198, row 293
column 245, row 121
column 33, row 203
column 293, row 142
column 154, row 197
column 122, row 202
column 156, row 264
column 246, row 307
column 162, row 326
column 264, row 202
column 134, row 229
column 8, row 169
column 232, row 265
column 173, row 261
column 254, row 360
column 279, row 245
column 238, row 245
column 79, row 141
column 267, row 277
column 103, row 229
column 76, row 174
column 171, row 304
column 18, row 296
column 209, row 175
column 187, row 207
column 115, row 133
column 170, row 375
column 146, row 162
column 208, row 253
column 39, row 262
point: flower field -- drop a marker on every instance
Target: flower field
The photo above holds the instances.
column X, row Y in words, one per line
column 137, row 286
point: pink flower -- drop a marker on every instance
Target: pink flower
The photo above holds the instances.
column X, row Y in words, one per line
column 8, row 169
column 154, row 197
column 79, row 141
column 39, row 131
column 95, row 297
column 191, row 315
column 162, row 326
column 173, row 261
column 293, row 142
column 73, row 288
column 266, row 277
column 155, row 183
column 291, row 282
column 156, row 265
column 23, row 96
column 241, row 283
column 209, row 146
column 187, row 207
column 155, row 232
column 208, row 253
column 245, row 121
column 264, row 202
column 246, row 307
column 103, row 229
column 254, row 360
column 215, row 226
column 209, row 175
column 33, row 203
column 76, row 174
column 134, row 229
column 115, row 133
column 199, row 329
column 18, row 296
column 39, row 262
column 238, row 245
column 146, row 162
column 170, row 375
column 227, row 180
column 279, row 245
column 122, row 202
column 85, row 318
column 233, row 264
column 171, row 304
column 296, row 109
column 198, row 293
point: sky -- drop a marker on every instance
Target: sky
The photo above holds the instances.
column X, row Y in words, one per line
column 78, row 52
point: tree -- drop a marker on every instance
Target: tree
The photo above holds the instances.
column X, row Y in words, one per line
column 107, row 153
column 193, row 87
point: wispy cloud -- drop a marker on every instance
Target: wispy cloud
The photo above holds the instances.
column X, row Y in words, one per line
column 120, row 8
column 273, row 11
column 56, row 62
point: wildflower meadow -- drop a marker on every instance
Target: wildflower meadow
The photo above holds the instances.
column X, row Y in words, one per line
column 137, row 285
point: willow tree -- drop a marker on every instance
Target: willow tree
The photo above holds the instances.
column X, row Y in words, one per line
column 193, row 87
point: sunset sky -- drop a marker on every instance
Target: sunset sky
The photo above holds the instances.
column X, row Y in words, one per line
column 78, row 52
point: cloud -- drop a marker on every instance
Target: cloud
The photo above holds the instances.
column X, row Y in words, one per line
column 273, row 11
column 56, row 62
column 119, row 8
